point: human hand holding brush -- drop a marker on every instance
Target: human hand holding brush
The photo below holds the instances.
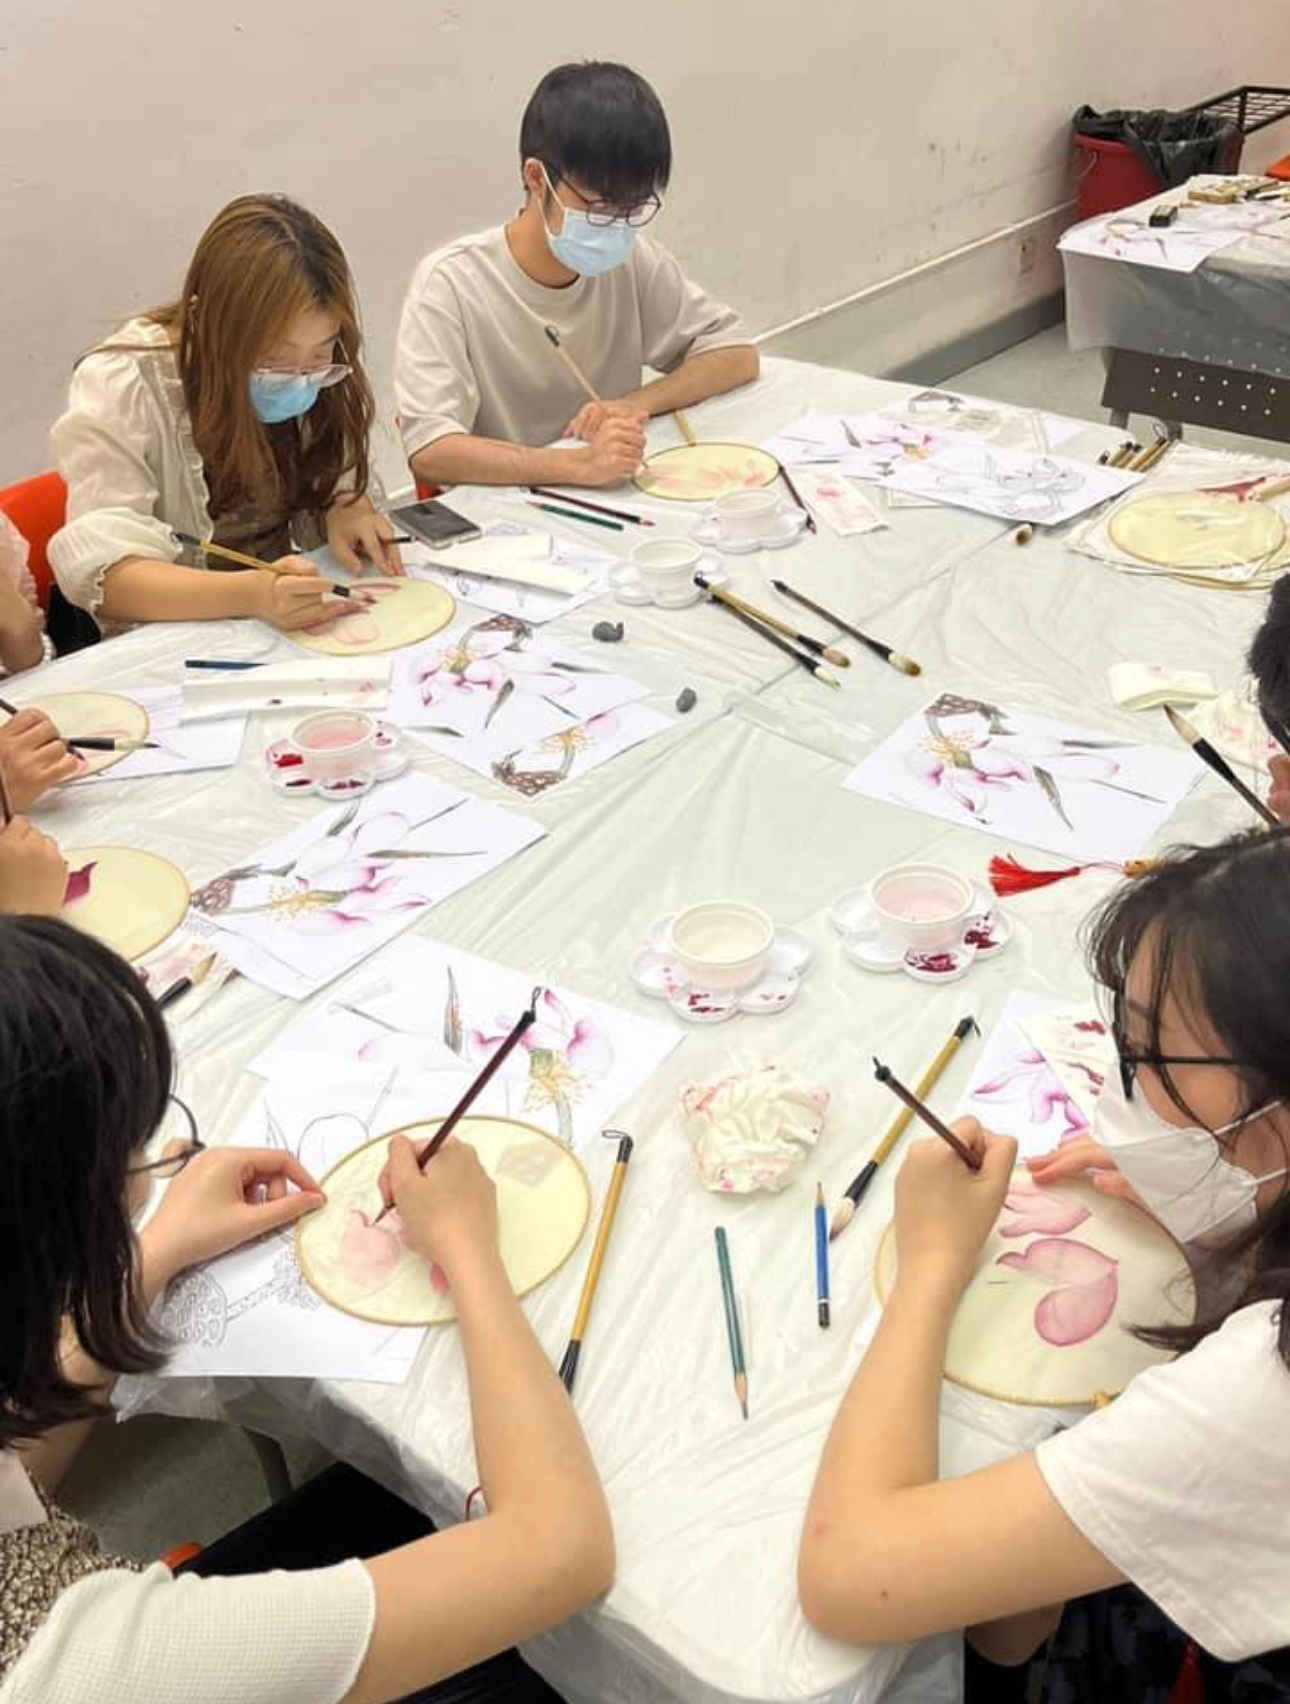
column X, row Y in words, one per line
column 449, row 1211
column 944, row 1210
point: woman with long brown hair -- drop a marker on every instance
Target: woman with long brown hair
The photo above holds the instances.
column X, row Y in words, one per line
column 240, row 412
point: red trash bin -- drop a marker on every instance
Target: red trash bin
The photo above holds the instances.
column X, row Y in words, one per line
column 1111, row 176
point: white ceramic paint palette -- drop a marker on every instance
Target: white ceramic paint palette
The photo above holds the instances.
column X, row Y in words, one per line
column 94, row 714
column 630, row 589
column 657, row 973
column 366, row 1269
column 130, row 900
column 785, row 528
column 290, row 772
column 867, row 944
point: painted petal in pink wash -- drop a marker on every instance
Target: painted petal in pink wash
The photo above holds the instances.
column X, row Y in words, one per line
column 368, row 1252
column 1044, row 1210
column 78, row 884
column 1085, row 1288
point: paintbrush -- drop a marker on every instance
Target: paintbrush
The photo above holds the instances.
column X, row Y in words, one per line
column 796, row 495
column 108, row 742
column 802, row 658
column 1125, row 454
column 525, row 1021
column 1218, row 763
column 6, row 804
column 210, row 548
column 1148, row 460
column 608, row 1213
column 816, row 647
column 553, row 337
column 906, row 665
column 865, row 1176
column 885, row 1075
column 194, row 979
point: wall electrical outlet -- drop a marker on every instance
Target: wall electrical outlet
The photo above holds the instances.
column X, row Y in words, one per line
column 1026, row 252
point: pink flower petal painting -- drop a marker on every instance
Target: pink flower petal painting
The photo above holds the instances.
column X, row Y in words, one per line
column 1084, row 1288
column 1028, row 1208
column 78, row 883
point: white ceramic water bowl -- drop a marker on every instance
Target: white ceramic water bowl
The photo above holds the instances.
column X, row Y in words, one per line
column 720, row 944
column 747, row 514
column 666, row 566
column 922, row 906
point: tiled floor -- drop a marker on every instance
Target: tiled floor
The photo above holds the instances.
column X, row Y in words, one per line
column 156, row 1483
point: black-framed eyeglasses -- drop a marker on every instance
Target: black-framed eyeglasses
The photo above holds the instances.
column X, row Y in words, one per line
column 1130, row 1059
column 606, row 212
column 170, row 1165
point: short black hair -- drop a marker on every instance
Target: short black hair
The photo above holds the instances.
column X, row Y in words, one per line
column 1269, row 658
column 603, row 125
column 85, row 1069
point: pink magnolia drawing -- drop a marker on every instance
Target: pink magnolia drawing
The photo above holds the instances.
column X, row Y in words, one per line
column 973, row 757
column 1030, row 1079
column 347, row 878
column 559, row 1054
column 1084, row 1287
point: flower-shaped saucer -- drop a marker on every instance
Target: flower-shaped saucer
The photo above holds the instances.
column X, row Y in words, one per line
column 865, row 943
column 629, row 588
column 656, row 973
column 289, row 772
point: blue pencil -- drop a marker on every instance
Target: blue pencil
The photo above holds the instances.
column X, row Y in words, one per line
column 821, row 1258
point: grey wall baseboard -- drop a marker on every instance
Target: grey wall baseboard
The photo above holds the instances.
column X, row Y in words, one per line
column 960, row 353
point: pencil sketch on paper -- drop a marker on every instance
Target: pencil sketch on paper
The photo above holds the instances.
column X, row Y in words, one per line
column 197, row 1310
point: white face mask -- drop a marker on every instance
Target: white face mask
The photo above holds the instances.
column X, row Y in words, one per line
column 1180, row 1172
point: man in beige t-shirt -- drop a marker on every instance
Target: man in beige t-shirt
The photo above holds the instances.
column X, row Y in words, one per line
column 480, row 386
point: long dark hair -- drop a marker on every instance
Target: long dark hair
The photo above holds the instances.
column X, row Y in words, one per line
column 1217, row 920
column 86, row 1069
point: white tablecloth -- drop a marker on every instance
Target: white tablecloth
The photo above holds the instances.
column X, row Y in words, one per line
column 742, row 798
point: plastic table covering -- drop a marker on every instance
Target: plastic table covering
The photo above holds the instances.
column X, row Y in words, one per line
column 743, row 797
column 1233, row 311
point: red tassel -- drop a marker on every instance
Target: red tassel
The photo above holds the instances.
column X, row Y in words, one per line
column 1007, row 876
column 1189, row 1687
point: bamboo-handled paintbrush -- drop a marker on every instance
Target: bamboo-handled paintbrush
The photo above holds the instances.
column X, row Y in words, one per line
column 1218, row 763
column 208, row 547
column 906, row 665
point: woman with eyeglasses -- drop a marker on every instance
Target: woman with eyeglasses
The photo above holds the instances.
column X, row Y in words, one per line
column 482, row 395
column 1153, row 1535
column 240, row 413
column 86, row 1067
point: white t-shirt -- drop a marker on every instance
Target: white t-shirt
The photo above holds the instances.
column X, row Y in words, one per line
column 1184, row 1484
column 473, row 355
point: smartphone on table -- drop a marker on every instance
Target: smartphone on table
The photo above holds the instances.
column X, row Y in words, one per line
column 435, row 524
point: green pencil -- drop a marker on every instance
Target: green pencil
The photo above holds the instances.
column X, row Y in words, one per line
column 576, row 515
column 732, row 1320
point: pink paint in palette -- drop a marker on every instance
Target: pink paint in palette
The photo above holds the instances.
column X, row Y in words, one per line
column 923, row 906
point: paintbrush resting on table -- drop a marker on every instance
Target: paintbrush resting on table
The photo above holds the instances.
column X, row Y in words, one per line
column 802, row 658
column 816, row 647
column 608, row 1213
column 906, row 665
column 926, row 1083
column 194, row 979
column 885, row 1075
column 210, row 548
column 796, row 495
column 428, row 1151
column 1218, row 763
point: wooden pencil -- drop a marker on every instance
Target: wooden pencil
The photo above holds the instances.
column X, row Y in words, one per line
column 887, row 1076
column 733, row 1334
column 608, row 1213
column 596, row 508
column 906, row 665
column 926, row 1083
column 1218, row 763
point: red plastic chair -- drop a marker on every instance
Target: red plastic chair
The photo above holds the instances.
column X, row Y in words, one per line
column 38, row 508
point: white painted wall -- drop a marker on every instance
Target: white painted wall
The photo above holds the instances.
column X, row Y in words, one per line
column 822, row 146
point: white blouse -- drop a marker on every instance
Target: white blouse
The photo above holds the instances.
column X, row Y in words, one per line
column 126, row 450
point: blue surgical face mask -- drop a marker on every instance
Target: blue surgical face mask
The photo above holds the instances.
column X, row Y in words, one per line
column 585, row 248
column 276, row 397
